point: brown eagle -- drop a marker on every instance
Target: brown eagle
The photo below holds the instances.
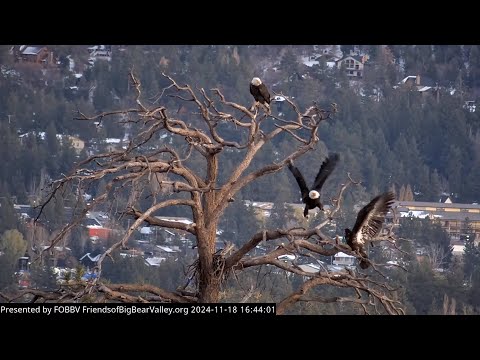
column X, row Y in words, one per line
column 369, row 224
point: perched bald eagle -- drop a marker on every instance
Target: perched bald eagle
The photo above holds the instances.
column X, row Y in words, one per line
column 260, row 92
column 368, row 224
column 311, row 198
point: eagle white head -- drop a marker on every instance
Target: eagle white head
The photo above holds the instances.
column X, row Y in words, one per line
column 313, row 194
column 256, row 81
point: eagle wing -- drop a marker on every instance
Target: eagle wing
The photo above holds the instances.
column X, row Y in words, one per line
column 325, row 170
column 300, row 180
column 254, row 91
column 264, row 92
column 370, row 218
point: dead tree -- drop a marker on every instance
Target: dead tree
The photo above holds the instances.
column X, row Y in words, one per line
column 207, row 198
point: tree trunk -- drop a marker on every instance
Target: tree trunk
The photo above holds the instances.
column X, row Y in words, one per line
column 209, row 280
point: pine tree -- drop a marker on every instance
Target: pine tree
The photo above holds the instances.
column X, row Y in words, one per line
column 8, row 216
column 409, row 193
column 12, row 247
column 401, row 194
column 471, row 257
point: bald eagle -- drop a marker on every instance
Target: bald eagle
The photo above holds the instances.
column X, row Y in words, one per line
column 311, row 198
column 260, row 92
column 368, row 224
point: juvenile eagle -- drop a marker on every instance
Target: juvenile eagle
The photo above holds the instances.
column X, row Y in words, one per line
column 260, row 92
column 311, row 197
column 368, row 224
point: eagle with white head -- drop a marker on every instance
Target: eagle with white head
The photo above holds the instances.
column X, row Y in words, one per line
column 260, row 92
column 311, row 197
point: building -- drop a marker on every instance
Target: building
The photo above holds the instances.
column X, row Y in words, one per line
column 422, row 84
column 470, row 105
column 451, row 216
column 90, row 261
column 98, row 232
column 353, row 65
column 342, row 259
column 102, row 52
column 34, row 54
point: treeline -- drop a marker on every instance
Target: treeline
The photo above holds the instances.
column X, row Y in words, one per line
column 386, row 137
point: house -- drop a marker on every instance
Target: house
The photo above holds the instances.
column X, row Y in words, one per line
column 445, row 199
column 89, row 260
column 168, row 251
column 422, row 84
column 470, row 105
column 112, row 144
column 154, row 261
column 313, row 268
column 102, row 52
column 287, row 257
column 97, row 231
column 353, row 65
column 458, row 250
column 342, row 259
column 34, row 54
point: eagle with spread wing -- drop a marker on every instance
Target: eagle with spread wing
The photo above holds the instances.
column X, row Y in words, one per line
column 311, row 197
column 369, row 224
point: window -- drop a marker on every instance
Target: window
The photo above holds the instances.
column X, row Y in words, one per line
column 350, row 72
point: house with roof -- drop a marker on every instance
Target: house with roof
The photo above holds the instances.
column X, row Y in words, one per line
column 34, row 54
column 423, row 84
column 112, row 144
column 102, row 52
column 154, row 261
column 445, row 199
column 353, row 65
column 167, row 251
column 470, row 105
column 342, row 259
column 312, row 268
column 96, row 228
column 89, row 261
column 458, row 250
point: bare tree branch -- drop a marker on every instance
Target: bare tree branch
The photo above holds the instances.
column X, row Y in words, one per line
column 140, row 169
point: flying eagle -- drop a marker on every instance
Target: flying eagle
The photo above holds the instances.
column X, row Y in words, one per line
column 311, row 198
column 260, row 92
column 368, row 224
